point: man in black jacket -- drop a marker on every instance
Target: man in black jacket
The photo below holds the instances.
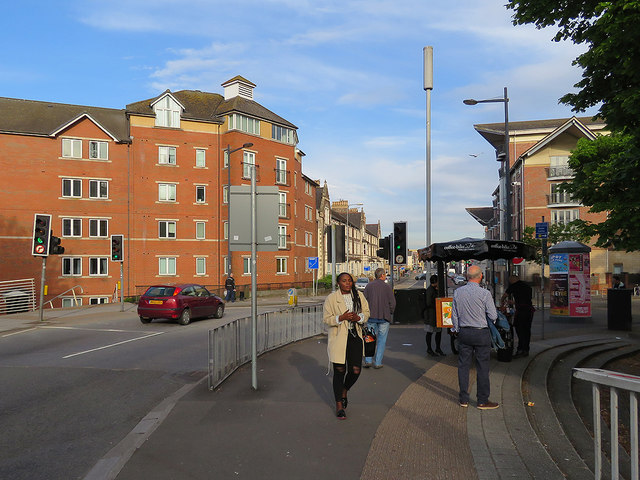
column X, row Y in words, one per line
column 521, row 292
column 230, row 287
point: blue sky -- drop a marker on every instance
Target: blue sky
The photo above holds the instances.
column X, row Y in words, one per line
column 347, row 73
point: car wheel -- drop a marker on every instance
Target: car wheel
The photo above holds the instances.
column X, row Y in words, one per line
column 145, row 319
column 185, row 318
column 219, row 311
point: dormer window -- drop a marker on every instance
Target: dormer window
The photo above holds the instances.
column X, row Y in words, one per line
column 167, row 113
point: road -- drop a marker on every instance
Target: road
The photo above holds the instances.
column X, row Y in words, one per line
column 75, row 386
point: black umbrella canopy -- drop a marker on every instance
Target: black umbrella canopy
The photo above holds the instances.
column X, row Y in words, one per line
column 476, row 249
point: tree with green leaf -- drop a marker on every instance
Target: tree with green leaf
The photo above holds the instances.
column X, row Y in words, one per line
column 608, row 168
column 558, row 232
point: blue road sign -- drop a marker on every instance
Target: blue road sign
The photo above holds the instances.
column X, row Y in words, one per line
column 366, row 269
column 313, row 263
column 542, row 230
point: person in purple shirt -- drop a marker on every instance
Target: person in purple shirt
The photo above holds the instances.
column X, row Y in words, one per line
column 382, row 303
column 472, row 307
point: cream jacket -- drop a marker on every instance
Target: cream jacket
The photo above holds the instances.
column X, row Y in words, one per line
column 334, row 306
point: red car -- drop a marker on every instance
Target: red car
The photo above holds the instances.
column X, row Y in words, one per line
column 179, row 302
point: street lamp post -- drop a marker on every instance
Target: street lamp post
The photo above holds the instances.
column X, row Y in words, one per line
column 505, row 190
column 349, row 205
column 228, row 152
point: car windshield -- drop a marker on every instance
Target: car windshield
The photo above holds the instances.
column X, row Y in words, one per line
column 160, row 292
column 363, row 280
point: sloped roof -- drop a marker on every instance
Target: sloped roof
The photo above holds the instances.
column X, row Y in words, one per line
column 483, row 215
column 210, row 107
column 31, row 117
column 573, row 127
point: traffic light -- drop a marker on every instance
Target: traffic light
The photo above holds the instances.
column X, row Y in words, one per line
column 400, row 243
column 54, row 246
column 383, row 251
column 41, row 234
column 117, row 252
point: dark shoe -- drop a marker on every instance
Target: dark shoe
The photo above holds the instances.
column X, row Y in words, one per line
column 367, row 365
column 454, row 351
column 488, row 406
column 377, row 366
column 521, row 354
column 464, row 404
column 440, row 352
column 341, row 415
column 431, row 353
column 344, row 402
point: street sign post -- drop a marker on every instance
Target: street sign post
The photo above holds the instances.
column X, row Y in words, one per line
column 542, row 230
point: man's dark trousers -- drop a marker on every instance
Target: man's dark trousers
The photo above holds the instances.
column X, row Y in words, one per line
column 522, row 323
column 474, row 341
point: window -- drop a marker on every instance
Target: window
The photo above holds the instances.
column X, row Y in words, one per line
column 98, row 227
column 167, row 155
column 564, row 216
column 71, row 227
column 166, row 229
column 225, row 229
column 201, row 158
column 559, row 166
column 72, row 187
column 98, row 300
column 246, row 265
column 281, row 265
column 308, row 239
column 98, row 189
column 249, row 159
column 68, row 302
column 167, row 192
column 201, row 266
column 225, row 262
column 71, row 148
column 282, row 236
column 225, row 194
column 71, row 266
column 167, row 113
column 225, row 161
column 308, row 213
column 244, row 123
column 98, row 150
column 200, row 194
column 281, row 171
column 282, row 206
column 307, row 188
column 282, row 134
column 98, row 266
column 200, row 226
column 167, row 265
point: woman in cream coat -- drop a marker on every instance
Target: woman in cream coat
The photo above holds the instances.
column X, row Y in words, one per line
column 345, row 311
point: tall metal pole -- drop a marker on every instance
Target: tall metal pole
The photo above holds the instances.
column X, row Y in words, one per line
column 507, row 176
column 122, row 286
column 228, row 152
column 42, row 280
column 347, row 239
column 428, row 86
column 333, row 257
column 254, row 284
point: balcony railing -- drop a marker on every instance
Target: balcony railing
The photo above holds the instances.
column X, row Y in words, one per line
column 561, row 198
column 283, row 210
column 282, row 177
column 560, row 172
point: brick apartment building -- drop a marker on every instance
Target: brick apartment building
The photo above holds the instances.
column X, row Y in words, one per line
column 156, row 172
column 539, row 153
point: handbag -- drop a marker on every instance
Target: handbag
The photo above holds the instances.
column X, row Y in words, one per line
column 369, row 338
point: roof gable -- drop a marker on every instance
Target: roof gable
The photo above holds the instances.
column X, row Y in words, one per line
column 77, row 120
column 573, row 126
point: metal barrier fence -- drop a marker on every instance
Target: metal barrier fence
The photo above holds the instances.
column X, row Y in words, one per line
column 615, row 381
column 17, row 296
column 230, row 344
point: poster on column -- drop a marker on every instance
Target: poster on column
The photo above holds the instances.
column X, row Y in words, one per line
column 579, row 286
column 559, row 294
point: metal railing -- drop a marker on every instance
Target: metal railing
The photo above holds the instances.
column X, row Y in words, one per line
column 615, row 381
column 230, row 344
column 17, row 296
column 73, row 293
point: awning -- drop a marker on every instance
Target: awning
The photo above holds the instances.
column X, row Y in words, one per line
column 476, row 249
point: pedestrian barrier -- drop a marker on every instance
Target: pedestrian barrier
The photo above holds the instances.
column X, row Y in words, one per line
column 230, row 344
column 17, row 296
column 615, row 381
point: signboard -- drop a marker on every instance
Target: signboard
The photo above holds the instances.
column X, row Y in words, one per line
column 267, row 204
column 542, row 230
column 444, row 312
column 367, row 269
column 313, row 263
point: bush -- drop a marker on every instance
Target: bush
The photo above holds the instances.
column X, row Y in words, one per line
column 325, row 282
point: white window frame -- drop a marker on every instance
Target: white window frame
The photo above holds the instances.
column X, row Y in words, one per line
column 201, row 229
column 201, row 266
column 281, row 265
column 201, row 158
column 244, row 123
column 99, row 189
column 72, row 227
column 69, row 302
column 248, row 158
column 225, row 264
column 282, row 204
column 283, row 134
column 201, row 194
column 167, row 155
column 169, row 232
column 167, row 266
column 246, row 265
column 167, row 192
column 281, row 171
column 98, row 300
column 71, row 266
column 225, row 194
column 574, row 213
column 167, row 113
column 98, row 150
column 98, row 227
column 225, row 159
column 282, row 236
column 73, row 186
column 98, row 266
column 71, row 148
column 225, row 230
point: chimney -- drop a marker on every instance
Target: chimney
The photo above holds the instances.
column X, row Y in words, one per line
column 238, row 87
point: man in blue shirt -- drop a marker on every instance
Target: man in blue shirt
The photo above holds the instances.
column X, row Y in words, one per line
column 472, row 306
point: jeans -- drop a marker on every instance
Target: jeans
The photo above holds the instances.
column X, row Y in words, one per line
column 472, row 342
column 381, row 328
column 231, row 295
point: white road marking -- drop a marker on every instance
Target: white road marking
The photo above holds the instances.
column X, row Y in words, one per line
column 113, row 344
column 21, row 331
